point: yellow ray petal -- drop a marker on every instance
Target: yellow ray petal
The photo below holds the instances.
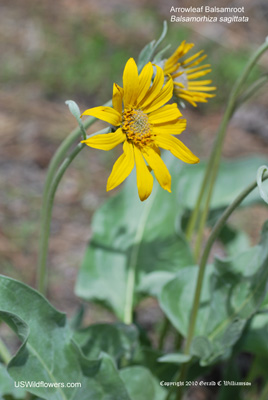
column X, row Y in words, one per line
column 197, row 68
column 117, row 98
column 158, row 166
column 130, row 83
column 192, row 64
column 178, row 84
column 200, row 83
column 198, row 74
column 196, row 94
column 106, row 114
column 144, row 178
column 178, row 74
column 201, row 88
column 170, row 70
column 145, row 79
column 177, row 148
column 163, row 97
column 167, row 113
column 155, row 89
column 106, row 141
column 122, row 167
column 186, row 97
column 180, row 52
column 193, row 57
column 170, row 129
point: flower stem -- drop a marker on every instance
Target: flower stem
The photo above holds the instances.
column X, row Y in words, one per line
column 4, row 352
column 203, row 262
column 131, row 275
column 46, row 220
column 213, row 164
column 52, row 168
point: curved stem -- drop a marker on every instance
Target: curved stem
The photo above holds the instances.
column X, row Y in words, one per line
column 52, row 168
column 48, row 213
column 47, row 217
column 203, row 262
column 213, row 164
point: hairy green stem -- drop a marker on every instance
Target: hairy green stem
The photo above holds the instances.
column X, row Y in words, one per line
column 213, row 164
column 48, row 212
column 203, row 262
column 4, row 352
column 45, row 232
column 52, row 168
column 133, row 259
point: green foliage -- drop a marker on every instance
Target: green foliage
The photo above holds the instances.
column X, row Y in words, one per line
column 233, row 291
column 7, row 385
column 244, row 279
column 175, row 358
column 117, row 340
column 48, row 352
column 141, row 384
column 233, row 177
column 148, row 51
column 116, row 224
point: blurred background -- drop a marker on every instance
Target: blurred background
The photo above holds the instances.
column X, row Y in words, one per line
column 52, row 51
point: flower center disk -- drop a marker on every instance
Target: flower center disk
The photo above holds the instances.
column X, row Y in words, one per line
column 137, row 128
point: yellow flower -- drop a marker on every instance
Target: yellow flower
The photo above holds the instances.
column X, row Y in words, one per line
column 143, row 126
column 184, row 75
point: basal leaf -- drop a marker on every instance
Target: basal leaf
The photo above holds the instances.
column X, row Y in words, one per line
column 238, row 288
column 127, row 231
column 141, row 384
column 177, row 295
column 118, row 340
column 254, row 339
column 7, row 385
column 48, row 352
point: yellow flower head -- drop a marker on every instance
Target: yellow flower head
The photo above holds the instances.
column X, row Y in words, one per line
column 185, row 75
column 143, row 126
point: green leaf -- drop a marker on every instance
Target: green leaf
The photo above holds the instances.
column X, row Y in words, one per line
column 118, row 340
column 153, row 283
column 175, row 358
column 125, row 228
column 147, row 52
column 254, row 339
column 141, row 384
column 149, row 358
column 260, row 173
column 158, row 57
column 75, row 111
column 7, row 385
column 234, row 240
column 48, row 352
column 106, row 385
column 238, row 288
column 146, row 55
column 177, row 297
column 233, row 177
